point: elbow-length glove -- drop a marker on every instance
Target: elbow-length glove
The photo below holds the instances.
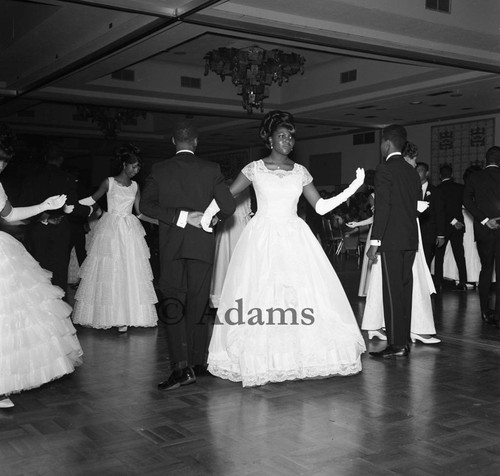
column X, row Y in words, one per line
column 324, row 206
column 21, row 213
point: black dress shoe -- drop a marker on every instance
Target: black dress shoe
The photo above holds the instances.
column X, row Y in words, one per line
column 489, row 318
column 392, row 351
column 187, row 376
column 460, row 287
column 200, row 370
column 170, row 384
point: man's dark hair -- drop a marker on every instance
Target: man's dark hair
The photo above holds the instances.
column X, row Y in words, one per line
column 425, row 165
column 446, row 171
column 493, row 155
column 185, row 132
column 396, row 134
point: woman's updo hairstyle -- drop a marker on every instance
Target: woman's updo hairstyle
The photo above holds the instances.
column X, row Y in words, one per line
column 7, row 139
column 129, row 154
column 272, row 120
column 410, row 150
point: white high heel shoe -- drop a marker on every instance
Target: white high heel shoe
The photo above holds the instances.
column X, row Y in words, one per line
column 424, row 340
column 379, row 335
column 6, row 403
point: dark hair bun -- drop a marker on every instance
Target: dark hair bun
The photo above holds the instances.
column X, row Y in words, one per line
column 272, row 120
column 128, row 153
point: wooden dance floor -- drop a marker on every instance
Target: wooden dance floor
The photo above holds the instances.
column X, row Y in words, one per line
column 437, row 413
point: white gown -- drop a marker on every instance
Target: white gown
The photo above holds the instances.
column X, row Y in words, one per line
column 116, row 287
column 227, row 235
column 283, row 313
column 38, row 342
column 472, row 261
column 422, row 317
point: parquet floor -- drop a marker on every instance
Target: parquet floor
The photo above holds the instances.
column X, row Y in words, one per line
column 437, row 413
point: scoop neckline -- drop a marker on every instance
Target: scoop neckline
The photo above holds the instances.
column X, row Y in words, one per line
column 278, row 170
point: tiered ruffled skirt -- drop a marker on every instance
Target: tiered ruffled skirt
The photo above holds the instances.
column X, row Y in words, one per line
column 116, row 287
column 38, row 342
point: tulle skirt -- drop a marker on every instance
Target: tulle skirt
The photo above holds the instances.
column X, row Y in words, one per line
column 38, row 342
column 116, row 287
column 225, row 241
column 283, row 314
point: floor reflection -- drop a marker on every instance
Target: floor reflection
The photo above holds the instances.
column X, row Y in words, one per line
column 437, row 412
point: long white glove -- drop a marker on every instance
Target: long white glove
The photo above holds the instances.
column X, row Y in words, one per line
column 324, row 206
column 89, row 201
column 210, row 212
column 142, row 217
column 21, row 213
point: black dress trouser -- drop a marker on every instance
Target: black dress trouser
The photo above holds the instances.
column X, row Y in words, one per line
column 185, row 286
column 397, row 278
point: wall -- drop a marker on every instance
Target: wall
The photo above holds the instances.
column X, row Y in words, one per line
column 368, row 155
column 421, row 135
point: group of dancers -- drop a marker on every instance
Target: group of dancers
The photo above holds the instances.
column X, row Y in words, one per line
column 370, row 286
column 282, row 313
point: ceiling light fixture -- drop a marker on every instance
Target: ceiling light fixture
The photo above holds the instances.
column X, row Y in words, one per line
column 253, row 70
column 109, row 120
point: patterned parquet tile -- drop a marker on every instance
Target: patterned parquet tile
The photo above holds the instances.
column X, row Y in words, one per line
column 438, row 413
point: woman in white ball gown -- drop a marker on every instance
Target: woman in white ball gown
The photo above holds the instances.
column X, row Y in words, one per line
column 116, row 287
column 283, row 314
column 38, row 342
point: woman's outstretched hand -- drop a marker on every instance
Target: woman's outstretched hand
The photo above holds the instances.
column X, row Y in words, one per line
column 53, row 203
column 360, row 177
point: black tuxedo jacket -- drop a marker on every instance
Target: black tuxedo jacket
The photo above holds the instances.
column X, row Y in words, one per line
column 482, row 199
column 453, row 195
column 432, row 220
column 184, row 182
column 397, row 189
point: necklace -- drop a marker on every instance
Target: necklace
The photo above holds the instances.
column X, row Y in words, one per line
column 275, row 164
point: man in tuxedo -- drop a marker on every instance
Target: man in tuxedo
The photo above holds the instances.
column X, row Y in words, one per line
column 177, row 192
column 50, row 233
column 394, row 238
column 432, row 221
column 482, row 199
column 452, row 194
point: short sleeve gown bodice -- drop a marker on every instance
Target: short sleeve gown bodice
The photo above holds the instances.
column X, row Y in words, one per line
column 283, row 313
column 116, row 287
column 38, row 342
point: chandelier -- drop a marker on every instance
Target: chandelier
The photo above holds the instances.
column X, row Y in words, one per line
column 253, row 70
column 109, row 120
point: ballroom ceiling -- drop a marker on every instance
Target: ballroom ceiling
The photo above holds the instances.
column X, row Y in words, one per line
column 413, row 65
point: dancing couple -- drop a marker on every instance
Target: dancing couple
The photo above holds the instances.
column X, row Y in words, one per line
column 276, row 264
